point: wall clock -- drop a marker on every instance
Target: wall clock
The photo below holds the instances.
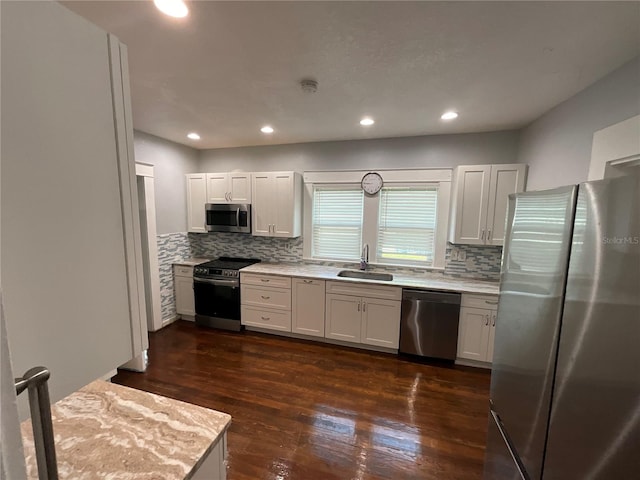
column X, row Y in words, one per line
column 371, row 183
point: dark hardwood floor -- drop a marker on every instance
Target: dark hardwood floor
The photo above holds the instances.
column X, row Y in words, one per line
column 304, row 410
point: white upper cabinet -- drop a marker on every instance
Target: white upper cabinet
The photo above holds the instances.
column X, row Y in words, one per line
column 196, row 199
column 228, row 188
column 277, row 206
column 480, row 201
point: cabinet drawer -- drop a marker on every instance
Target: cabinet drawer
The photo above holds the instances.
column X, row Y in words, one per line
column 279, row 298
column 183, row 271
column 265, row 280
column 266, row 318
column 308, row 281
column 368, row 290
column 480, row 301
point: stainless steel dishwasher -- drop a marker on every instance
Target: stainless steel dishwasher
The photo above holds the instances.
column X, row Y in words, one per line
column 429, row 323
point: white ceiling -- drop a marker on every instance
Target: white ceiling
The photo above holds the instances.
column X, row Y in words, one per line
column 231, row 67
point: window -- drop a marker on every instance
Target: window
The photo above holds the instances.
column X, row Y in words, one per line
column 407, row 225
column 337, row 222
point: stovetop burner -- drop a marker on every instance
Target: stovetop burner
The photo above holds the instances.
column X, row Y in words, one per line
column 223, row 267
column 229, row 263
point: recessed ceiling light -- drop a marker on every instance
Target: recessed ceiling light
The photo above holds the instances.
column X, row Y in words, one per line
column 367, row 121
column 193, row 136
column 450, row 115
column 266, row 129
column 173, row 8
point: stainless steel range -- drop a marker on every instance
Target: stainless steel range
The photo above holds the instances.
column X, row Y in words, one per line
column 216, row 287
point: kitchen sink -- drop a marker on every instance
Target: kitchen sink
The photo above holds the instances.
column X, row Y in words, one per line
column 385, row 277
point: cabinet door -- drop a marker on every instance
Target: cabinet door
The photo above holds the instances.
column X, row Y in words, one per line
column 283, row 204
column 380, row 322
column 505, row 179
column 308, row 307
column 343, row 318
column 471, row 192
column 262, row 195
column 492, row 336
column 185, row 304
column 473, row 336
column 240, row 187
column 218, row 188
column 196, row 198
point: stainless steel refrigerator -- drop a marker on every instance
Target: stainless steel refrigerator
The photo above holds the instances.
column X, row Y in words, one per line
column 565, row 386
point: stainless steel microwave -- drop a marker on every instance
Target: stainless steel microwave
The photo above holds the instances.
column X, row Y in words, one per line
column 228, row 217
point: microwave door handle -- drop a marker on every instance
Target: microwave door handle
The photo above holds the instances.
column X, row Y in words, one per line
column 238, row 217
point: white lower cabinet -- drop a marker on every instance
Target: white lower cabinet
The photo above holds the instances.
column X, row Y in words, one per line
column 183, row 282
column 363, row 319
column 378, row 322
column 308, row 305
column 344, row 318
column 265, row 301
column 476, row 331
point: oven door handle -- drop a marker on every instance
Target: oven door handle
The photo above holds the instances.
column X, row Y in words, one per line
column 223, row 283
column 238, row 217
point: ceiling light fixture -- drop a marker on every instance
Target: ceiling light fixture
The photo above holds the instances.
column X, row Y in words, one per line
column 193, row 136
column 450, row 115
column 266, row 129
column 173, row 8
column 367, row 121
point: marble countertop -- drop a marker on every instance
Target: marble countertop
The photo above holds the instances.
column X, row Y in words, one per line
column 429, row 281
column 192, row 261
column 106, row 430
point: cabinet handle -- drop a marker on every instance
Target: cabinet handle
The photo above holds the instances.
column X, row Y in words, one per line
column 482, row 236
column 486, row 322
column 364, row 306
column 308, row 281
column 494, row 321
column 489, row 236
column 230, row 196
column 265, row 297
column 491, row 303
column 265, row 280
column 265, row 318
column 358, row 306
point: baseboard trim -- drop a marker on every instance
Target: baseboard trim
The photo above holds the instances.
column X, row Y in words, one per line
column 473, row 363
column 359, row 346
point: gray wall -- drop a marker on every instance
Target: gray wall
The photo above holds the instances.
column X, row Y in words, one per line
column 557, row 146
column 171, row 161
column 406, row 152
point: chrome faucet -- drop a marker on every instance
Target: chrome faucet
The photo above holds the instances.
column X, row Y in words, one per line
column 364, row 258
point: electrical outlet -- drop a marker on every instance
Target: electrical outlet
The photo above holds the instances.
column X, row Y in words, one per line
column 454, row 254
column 462, row 255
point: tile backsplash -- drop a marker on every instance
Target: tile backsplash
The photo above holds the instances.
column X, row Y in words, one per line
column 267, row 249
column 480, row 262
column 172, row 247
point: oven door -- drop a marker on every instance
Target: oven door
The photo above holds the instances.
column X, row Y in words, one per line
column 228, row 217
column 217, row 298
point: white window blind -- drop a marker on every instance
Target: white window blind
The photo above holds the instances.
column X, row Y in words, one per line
column 407, row 225
column 337, row 222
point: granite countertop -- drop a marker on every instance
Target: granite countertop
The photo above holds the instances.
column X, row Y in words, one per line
column 428, row 281
column 106, row 430
column 192, row 261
